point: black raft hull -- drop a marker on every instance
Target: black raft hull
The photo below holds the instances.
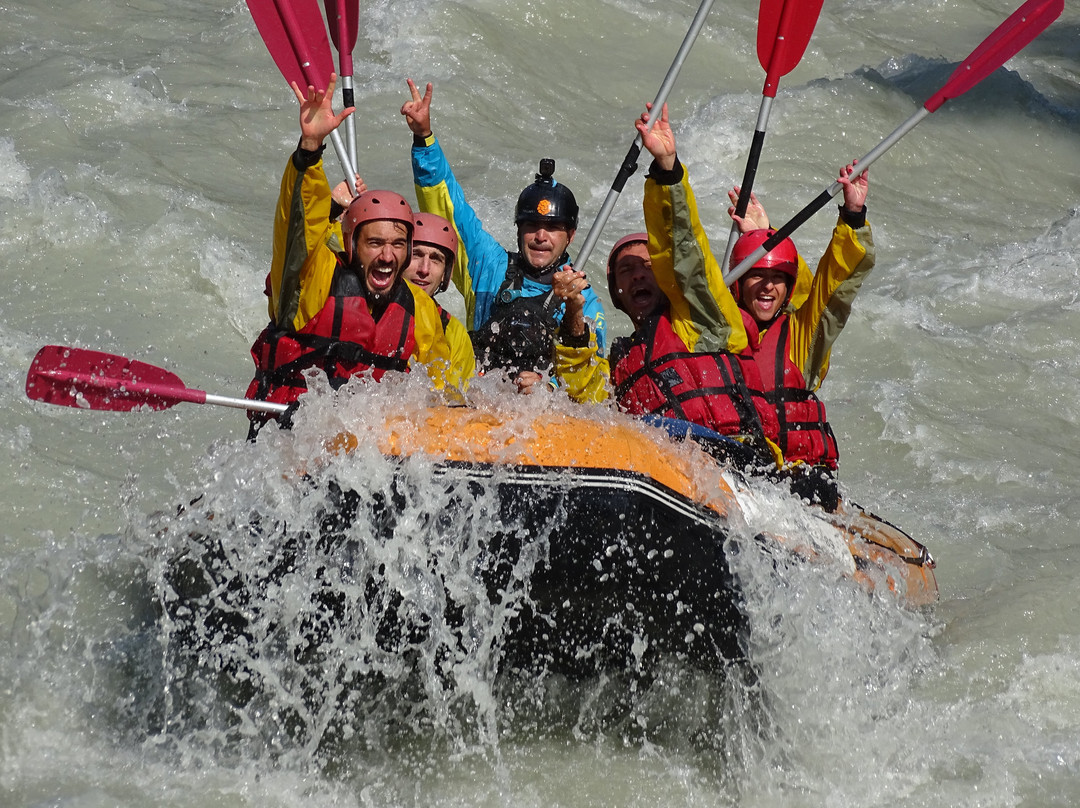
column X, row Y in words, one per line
column 626, row 569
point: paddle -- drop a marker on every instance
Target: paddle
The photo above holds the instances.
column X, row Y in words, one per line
column 298, row 45
column 629, row 164
column 784, row 30
column 343, row 19
column 92, row 380
column 1026, row 23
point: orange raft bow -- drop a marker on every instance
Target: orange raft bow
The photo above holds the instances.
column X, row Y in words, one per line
column 629, row 454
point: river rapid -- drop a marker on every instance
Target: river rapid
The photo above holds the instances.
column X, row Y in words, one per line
column 141, row 145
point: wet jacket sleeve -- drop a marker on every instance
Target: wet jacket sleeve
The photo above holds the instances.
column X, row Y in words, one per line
column 594, row 314
column 462, row 359
column 817, row 323
column 803, row 281
column 303, row 265
column 703, row 311
column 480, row 267
column 581, row 370
column 433, row 350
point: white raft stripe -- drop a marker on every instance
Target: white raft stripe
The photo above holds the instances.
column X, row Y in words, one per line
column 570, row 477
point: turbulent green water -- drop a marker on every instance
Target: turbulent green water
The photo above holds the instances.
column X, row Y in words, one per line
column 141, row 146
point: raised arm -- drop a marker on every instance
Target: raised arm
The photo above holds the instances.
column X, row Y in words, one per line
column 660, row 140
column 481, row 261
column 847, row 262
column 755, row 219
column 703, row 311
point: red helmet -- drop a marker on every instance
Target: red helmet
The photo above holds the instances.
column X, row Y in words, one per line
column 439, row 232
column 783, row 257
column 373, row 206
column 633, row 238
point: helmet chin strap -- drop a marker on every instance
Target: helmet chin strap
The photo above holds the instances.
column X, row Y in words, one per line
column 543, row 274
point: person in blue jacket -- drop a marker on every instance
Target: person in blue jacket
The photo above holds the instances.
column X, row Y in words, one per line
column 510, row 310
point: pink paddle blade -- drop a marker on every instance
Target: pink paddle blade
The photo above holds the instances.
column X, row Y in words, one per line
column 93, row 380
column 295, row 35
column 784, row 31
column 343, row 20
column 1008, row 39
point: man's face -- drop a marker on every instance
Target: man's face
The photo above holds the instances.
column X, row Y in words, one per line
column 763, row 293
column 427, row 268
column 543, row 243
column 381, row 249
column 635, row 286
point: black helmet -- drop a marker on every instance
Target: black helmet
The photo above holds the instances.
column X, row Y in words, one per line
column 547, row 201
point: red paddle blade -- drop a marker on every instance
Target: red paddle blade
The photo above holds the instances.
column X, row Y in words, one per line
column 92, row 380
column 1008, row 39
column 784, row 31
column 295, row 35
column 343, row 20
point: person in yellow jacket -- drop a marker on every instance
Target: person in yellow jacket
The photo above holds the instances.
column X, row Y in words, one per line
column 684, row 360
column 434, row 251
column 817, row 304
column 345, row 313
column 792, row 339
column 790, row 317
column 435, row 245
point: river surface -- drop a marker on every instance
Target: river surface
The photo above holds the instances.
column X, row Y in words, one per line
column 141, row 145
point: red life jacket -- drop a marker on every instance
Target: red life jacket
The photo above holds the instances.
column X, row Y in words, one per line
column 719, row 391
column 805, row 433
column 342, row 339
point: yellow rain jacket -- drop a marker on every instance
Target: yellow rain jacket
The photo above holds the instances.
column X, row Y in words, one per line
column 819, row 314
column 303, row 267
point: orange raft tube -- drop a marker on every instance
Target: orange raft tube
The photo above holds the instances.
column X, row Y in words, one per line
column 609, row 461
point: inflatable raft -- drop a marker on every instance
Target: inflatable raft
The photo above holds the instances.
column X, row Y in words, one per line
column 637, row 552
column 626, row 531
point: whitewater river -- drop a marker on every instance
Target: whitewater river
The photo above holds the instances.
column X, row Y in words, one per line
column 141, row 145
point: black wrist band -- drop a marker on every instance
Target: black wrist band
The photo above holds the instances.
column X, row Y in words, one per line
column 302, row 158
column 853, row 220
column 575, row 340
column 662, row 177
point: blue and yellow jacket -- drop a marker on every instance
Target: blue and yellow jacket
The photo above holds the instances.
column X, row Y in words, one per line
column 481, row 264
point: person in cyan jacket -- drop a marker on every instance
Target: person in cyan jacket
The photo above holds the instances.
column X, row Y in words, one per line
column 510, row 309
column 345, row 313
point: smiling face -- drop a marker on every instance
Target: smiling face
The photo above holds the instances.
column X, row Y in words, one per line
column 635, row 287
column 543, row 243
column 382, row 247
column 427, row 268
column 763, row 293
